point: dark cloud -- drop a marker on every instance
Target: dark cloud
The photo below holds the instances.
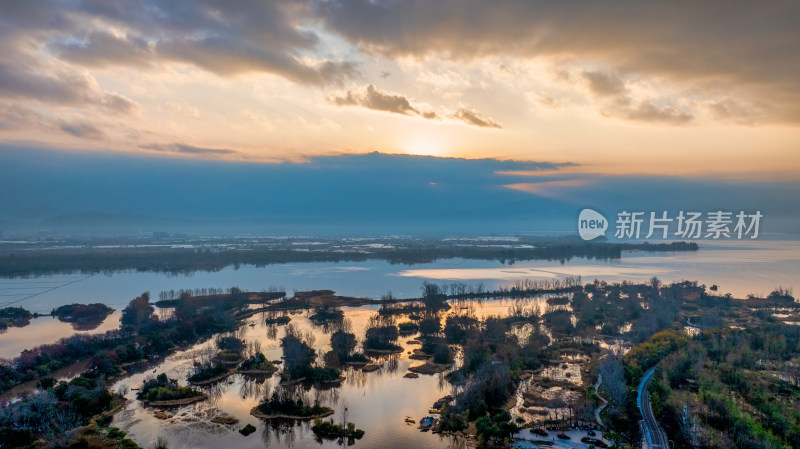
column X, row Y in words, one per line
column 742, row 49
column 66, row 87
column 179, row 148
column 229, row 57
column 26, row 28
column 602, row 83
column 225, row 38
column 101, row 49
column 83, row 130
column 18, row 81
column 743, row 52
column 648, row 112
column 371, row 97
column 730, row 110
column 472, row 117
column 617, row 102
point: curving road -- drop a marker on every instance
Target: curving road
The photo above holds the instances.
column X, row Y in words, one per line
column 654, row 436
column 605, row 403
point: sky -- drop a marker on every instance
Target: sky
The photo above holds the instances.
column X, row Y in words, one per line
column 553, row 97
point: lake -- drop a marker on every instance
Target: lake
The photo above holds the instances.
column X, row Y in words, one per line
column 737, row 267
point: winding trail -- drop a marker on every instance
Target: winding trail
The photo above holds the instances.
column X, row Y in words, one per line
column 692, row 325
column 605, row 403
column 654, row 436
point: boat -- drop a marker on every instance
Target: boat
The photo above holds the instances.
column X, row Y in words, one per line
column 410, row 420
column 426, row 423
column 434, row 410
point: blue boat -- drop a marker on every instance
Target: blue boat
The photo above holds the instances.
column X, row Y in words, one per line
column 426, row 423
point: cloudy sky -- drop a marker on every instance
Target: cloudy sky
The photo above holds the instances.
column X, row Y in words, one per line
column 675, row 88
column 537, row 106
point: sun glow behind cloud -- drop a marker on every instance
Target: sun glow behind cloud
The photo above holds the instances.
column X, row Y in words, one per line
column 424, row 145
column 526, row 83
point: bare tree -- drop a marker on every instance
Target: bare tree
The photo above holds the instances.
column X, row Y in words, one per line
column 613, row 380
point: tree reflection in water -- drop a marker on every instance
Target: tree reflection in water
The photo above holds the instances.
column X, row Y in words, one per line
column 327, row 396
column 253, row 386
column 276, row 430
column 332, row 324
column 214, row 391
column 356, row 377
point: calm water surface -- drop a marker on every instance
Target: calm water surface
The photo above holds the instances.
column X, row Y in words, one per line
column 738, row 267
column 377, row 402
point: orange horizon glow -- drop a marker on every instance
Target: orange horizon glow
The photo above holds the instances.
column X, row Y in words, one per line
column 328, row 86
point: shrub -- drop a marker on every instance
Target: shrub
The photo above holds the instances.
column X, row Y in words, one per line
column 247, row 430
column 207, row 371
column 257, row 362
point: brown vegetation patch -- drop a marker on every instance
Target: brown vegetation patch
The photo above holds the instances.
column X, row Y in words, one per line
column 430, row 368
column 177, row 402
column 224, row 420
column 258, row 372
column 370, row 367
column 418, row 354
column 397, row 350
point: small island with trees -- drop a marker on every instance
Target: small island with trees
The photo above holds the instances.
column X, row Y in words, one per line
column 162, row 391
column 257, row 364
column 83, row 316
column 281, row 405
column 328, row 429
column 299, row 357
column 14, row 317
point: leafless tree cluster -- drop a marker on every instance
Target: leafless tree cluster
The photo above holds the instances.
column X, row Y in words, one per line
column 532, row 285
column 613, row 386
column 175, row 294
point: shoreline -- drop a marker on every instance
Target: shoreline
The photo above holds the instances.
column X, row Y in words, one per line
column 221, row 377
column 254, row 412
column 176, row 402
column 256, row 372
column 176, row 260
